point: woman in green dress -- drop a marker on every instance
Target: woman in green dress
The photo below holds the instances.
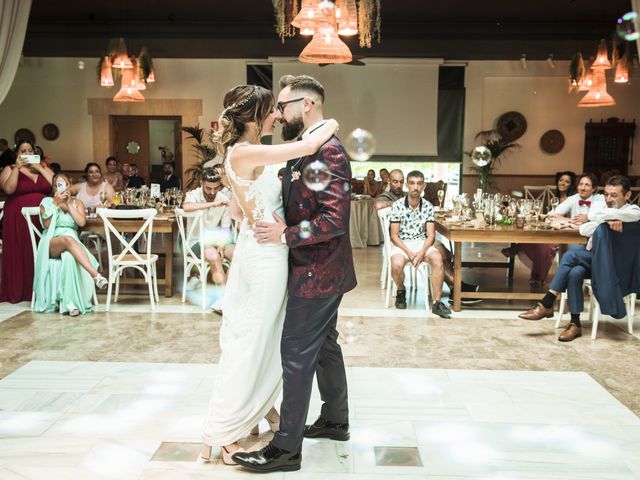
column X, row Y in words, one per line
column 65, row 270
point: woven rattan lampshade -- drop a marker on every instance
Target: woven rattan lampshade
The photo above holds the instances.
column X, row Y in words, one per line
column 106, row 77
column 347, row 17
column 307, row 17
column 597, row 95
column 602, row 59
column 622, row 71
column 128, row 91
column 326, row 47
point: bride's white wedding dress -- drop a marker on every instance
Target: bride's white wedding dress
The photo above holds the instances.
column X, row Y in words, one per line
column 249, row 375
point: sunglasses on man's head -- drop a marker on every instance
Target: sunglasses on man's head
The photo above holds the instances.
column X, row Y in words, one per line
column 281, row 105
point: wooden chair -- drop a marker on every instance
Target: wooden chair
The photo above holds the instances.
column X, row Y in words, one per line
column 431, row 192
column 145, row 263
column 191, row 227
column 535, row 192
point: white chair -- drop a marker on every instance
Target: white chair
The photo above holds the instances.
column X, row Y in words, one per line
column 95, row 240
column 35, row 235
column 191, row 227
column 128, row 257
column 535, row 192
column 384, row 212
column 594, row 309
column 423, row 268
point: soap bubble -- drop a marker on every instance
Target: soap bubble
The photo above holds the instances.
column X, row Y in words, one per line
column 316, row 176
column 360, row 145
column 481, row 156
column 305, row 229
column 627, row 26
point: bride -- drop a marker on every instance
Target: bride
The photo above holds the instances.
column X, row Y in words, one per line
column 249, row 375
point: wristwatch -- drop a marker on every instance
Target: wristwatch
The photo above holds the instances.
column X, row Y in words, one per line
column 283, row 238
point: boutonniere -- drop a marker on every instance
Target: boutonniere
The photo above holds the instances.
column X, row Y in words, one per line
column 295, row 175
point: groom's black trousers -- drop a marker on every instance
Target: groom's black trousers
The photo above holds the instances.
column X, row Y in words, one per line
column 310, row 346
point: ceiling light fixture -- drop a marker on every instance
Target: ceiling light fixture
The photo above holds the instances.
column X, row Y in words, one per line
column 135, row 72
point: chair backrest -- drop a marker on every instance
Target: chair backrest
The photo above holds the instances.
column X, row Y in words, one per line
column 34, row 234
column 535, row 192
column 384, row 217
column 191, row 227
column 128, row 247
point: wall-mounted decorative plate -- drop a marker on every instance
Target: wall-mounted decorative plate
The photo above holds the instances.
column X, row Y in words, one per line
column 511, row 126
column 24, row 134
column 50, row 131
column 552, row 141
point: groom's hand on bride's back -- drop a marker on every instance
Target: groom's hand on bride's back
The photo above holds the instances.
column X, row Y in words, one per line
column 266, row 232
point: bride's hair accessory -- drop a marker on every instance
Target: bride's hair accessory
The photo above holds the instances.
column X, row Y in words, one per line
column 241, row 103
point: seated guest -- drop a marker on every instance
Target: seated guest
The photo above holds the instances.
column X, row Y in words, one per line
column 126, row 173
column 114, row 176
column 66, row 286
column 208, row 197
column 575, row 265
column 384, row 179
column 394, row 193
column 134, row 180
column 94, row 192
column 169, row 179
column 538, row 256
column 7, row 156
column 586, row 200
column 412, row 233
column 371, row 186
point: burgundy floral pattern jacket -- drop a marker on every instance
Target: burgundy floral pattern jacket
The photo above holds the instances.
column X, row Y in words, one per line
column 320, row 259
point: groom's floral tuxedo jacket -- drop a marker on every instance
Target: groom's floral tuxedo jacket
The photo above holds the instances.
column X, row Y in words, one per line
column 320, row 259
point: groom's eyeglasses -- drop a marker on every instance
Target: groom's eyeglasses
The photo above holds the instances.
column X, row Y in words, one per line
column 281, row 105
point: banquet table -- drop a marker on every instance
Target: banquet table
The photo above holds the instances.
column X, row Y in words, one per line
column 364, row 226
column 458, row 234
column 161, row 224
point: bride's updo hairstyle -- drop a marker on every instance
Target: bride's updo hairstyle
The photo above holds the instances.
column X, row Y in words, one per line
column 242, row 104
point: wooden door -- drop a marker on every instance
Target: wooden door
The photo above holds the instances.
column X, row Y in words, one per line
column 127, row 132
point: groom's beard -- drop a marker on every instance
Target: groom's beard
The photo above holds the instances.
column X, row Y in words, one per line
column 292, row 129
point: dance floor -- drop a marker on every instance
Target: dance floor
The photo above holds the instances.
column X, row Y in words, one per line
column 114, row 420
column 483, row 395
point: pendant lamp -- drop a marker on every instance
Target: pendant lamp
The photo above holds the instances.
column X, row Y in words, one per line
column 128, row 91
column 106, row 77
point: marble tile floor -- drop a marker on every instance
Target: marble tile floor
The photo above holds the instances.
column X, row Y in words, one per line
column 119, row 420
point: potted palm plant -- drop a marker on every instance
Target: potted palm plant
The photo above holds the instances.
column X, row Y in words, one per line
column 206, row 152
column 498, row 147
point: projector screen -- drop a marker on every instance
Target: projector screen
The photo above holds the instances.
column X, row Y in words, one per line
column 394, row 99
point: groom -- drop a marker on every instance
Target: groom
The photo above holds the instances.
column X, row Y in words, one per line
column 320, row 272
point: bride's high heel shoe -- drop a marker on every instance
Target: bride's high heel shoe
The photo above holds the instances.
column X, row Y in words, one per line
column 205, row 454
column 273, row 419
column 226, row 455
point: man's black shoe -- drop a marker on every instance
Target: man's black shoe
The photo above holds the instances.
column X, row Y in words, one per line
column 401, row 299
column 322, row 428
column 269, row 459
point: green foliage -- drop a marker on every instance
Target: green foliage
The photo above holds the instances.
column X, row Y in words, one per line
column 498, row 147
column 206, row 152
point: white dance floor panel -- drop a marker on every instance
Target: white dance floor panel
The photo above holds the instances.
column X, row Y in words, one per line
column 100, row 420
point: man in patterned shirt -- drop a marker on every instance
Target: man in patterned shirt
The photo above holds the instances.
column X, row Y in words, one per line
column 413, row 234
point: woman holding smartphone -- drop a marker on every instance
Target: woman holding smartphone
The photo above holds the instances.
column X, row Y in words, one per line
column 65, row 286
column 26, row 183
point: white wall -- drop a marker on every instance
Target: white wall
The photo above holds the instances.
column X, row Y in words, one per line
column 540, row 93
column 55, row 90
column 161, row 134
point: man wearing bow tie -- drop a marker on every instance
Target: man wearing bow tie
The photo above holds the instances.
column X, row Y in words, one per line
column 575, row 265
column 579, row 205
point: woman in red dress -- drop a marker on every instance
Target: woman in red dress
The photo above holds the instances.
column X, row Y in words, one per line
column 25, row 184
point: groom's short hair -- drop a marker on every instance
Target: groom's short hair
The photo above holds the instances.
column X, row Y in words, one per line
column 302, row 83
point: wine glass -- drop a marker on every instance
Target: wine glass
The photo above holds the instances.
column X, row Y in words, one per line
column 103, row 198
column 555, row 201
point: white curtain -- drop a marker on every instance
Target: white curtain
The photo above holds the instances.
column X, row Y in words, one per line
column 14, row 15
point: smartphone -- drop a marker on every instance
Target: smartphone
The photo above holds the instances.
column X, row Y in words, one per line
column 61, row 187
column 31, row 158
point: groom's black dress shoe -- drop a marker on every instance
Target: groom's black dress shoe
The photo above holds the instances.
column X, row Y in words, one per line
column 269, row 459
column 322, row 428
